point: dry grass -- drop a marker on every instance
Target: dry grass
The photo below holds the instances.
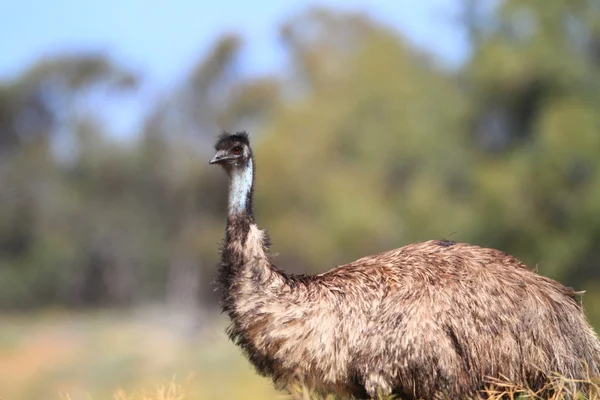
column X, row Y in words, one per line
column 68, row 356
column 559, row 388
column 85, row 356
column 499, row 390
column 170, row 391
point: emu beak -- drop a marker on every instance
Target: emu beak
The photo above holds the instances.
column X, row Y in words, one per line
column 220, row 156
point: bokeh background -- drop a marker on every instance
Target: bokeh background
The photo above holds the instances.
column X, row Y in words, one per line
column 374, row 123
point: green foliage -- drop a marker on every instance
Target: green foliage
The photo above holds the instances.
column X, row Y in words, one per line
column 366, row 145
column 503, row 153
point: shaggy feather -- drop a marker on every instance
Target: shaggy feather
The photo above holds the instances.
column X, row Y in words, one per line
column 436, row 319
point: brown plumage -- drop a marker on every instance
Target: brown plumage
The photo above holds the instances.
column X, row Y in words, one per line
column 428, row 320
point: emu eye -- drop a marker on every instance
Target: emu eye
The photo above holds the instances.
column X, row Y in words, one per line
column 237, row 150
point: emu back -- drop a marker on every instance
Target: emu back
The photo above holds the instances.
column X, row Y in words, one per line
column 429, row 319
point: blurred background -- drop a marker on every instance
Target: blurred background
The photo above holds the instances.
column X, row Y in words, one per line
column 374, row 123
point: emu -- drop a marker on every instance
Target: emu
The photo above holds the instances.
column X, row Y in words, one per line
column 428, row 320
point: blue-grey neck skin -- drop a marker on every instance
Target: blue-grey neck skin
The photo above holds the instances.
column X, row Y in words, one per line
column 240, row 220
column 240, row 190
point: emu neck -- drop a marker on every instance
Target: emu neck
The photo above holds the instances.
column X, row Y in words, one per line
column 240, row 191
column 245, row 269
column 240, row 216
column 240, row 222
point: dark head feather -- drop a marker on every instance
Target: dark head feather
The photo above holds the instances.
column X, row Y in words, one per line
column 226, row 140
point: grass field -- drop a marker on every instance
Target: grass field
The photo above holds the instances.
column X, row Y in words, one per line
column 143, row 355
column 100, row 355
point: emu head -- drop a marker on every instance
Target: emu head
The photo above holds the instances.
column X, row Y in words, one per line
column 233, row 151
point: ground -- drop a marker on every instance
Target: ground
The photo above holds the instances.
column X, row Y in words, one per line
column 57, row 354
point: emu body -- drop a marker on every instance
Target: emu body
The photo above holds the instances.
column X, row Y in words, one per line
column 431, row 319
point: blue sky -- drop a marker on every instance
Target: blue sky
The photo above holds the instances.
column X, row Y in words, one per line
column 162, row 39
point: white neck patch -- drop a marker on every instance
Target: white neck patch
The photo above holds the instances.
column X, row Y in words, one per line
column 239, row 188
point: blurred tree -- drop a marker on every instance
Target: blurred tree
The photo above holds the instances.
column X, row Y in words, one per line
column 365, row 145
column 534, row 85
column 115, row 224
column 35, row 109
column 364, row 148
column 378, row 148
column 535, row 92
column 40, row 102
column 187, row 195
